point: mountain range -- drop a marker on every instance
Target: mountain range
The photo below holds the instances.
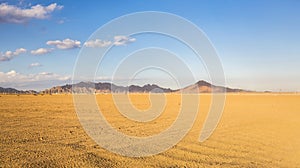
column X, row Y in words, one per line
column 90, row 87
column 15, row 91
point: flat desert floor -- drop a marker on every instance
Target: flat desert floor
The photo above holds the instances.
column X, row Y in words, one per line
column 256, row 130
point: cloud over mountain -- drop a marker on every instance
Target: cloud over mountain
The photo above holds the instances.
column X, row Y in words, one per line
column 15, row 77
column 40, row 80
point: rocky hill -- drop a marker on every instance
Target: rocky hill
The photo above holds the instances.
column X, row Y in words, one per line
column 90, row 87
column 205, row 87
column 15, row 91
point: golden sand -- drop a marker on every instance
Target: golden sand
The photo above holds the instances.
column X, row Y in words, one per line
column 256, row 130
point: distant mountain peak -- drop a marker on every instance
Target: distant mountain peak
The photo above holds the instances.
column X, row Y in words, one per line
column 203, row 83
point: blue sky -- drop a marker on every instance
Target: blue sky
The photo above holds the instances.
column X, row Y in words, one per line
column 257, row 41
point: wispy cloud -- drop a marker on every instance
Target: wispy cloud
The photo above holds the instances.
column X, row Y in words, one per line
column 8, row 55
column 97, row 43
column 65, row 44
column 15, row 14
column 61, row 21
column 35, row 64
column 41, row 51
column 40, row 80
column 123, row 40
column 13, row 76
column 118, row 41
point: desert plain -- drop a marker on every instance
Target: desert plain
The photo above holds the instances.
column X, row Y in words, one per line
column 256, row 130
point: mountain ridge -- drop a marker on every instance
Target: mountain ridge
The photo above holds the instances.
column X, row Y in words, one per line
column 16, row 91
column 105, row 87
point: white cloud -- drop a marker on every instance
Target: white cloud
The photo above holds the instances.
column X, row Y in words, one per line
column 118, row 41
column 41, row 51
column 35, row 64
column 61, row 21
column 65, row 44
column 123, row 40
column 31, row 81
column 8, row 55
column 13, row 76
column 19, row 51
column 97, row 43
column 15, row 14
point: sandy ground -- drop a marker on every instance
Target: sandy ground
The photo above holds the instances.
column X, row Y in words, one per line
column 260, row 130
